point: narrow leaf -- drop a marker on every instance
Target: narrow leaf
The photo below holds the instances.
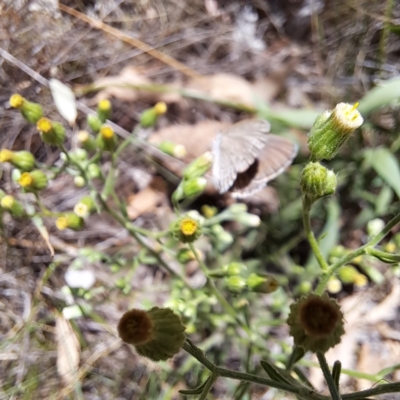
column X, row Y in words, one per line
column 380, row 96
column 387, row 167
column 64, row 99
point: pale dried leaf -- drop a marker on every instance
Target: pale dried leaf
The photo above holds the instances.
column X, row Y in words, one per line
column 226, row 87
column 68, row 351
column 147, row 199
column 122, row 87
column 38, row 222
column 195, row 138
column 64, row 99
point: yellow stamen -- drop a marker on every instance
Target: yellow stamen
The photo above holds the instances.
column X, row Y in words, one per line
column 44, row 125
column 107, row 132
column 7, row 201
column 62, row 223
column 188, row 226
column 16, row 100
column 26, row 179
column 104, row 105
column 6, row 155
column 160, row 108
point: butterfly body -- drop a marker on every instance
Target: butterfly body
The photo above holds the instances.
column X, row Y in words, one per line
column 247, row 157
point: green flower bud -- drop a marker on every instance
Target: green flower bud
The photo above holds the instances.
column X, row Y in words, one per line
column 223, row 237
column 262, row 284
column 317, row 181
column 316, row 323
column 86, row 140
column 51, row 132
column 106, row 138
column 157, row 334
column 235, row 284
column 71, row 221
column 94, row 122
column 186, row 229
column 334, row 285
column 347, row 274
column 173, row 149
column 375, row 226
column 93, row 171
column 332, row 129
column 248, row 220
column 198, row 167
column 79, row 181
column 33, row 181
column 24, row 160
column 85, row 207
column 32, row 112
column 209, row 211
column 232, row 269
column 185, row 255
column 149, row 117
column 79, row 155
column 193, row 187
column 14, row 207
column 104, row 110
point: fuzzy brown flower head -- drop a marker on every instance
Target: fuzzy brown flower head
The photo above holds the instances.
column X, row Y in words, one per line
column 157, row 334
column 316, row 323
column 135, row 327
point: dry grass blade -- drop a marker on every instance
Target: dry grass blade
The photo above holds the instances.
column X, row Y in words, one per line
column 68, row 350
column 134, row 42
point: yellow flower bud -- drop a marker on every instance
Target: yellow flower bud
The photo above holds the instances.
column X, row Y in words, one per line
column 104, row 110
column 69, row 220
column 332, row 129
column 160, row 108
column 10, row 204
column 16, row 101
column 186, row 229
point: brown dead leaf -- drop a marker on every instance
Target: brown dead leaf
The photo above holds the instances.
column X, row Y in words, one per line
column 195, row 138
column 147, row 199
column 122, row 87
column 225, row 87
column 68, row 351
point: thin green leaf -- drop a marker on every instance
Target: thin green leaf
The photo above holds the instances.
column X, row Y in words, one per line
column 380, row 96
column 196, row 390
column 387, row 167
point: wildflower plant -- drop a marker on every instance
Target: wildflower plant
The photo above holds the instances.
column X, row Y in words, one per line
column 315, row 321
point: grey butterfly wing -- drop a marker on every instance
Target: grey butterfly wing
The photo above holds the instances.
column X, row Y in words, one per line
column 235, row 149
column 273, row 159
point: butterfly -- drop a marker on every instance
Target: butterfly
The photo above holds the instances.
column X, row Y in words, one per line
column 246, row 157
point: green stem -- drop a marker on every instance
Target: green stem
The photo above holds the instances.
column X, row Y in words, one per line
column 307, row 203
column 376, row 391
column 383, row 255
column 135, row 232
column 353, row 254
column 208, row 386
column 227, row 307
column 328, row 376
column 199, row 355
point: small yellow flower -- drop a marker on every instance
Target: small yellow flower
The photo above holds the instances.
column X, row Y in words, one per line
column 62, row 223
column 44, row 125
column 81, row 210
column 160, row 108
column 83, row 136
column 188, row 226
column 7, row 201
column 107, row 132
column 347, row 116
column 390, row 247
column 26, row 179
column 16, row 101
column 186, row 229
column 360, row 280
column 104, row 105
column 6, row 155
